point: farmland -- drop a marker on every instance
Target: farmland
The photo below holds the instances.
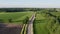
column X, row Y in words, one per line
column 17, row 23
column 47, row 23
column 39, row 24
column 14, row 16
column 29, row 21
column 56, row 13
column 10, row 28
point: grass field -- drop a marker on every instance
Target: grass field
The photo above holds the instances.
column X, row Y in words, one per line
column 56, row 13
column 39, row 25
column 15, row 16
column 46, row 24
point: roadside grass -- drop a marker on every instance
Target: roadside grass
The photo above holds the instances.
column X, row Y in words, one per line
column 39, row 25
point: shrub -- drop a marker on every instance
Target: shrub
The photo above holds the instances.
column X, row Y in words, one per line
column 10, row 20
column 25, row 21
column 1, row 20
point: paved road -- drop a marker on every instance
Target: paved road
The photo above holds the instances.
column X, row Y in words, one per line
column 30, row 26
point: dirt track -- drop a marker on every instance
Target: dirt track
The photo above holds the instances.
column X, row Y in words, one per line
column 10, row 28
column 30, row 27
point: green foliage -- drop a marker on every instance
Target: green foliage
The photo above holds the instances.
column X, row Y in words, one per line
column 10, row 20
column 1, row 21
column 26, row 20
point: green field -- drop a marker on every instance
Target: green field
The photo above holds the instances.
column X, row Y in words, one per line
column 39, row 25
column 14, row 16
column 46, row 24
column 56, row 13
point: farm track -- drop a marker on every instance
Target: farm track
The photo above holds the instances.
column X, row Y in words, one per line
column 30, row 26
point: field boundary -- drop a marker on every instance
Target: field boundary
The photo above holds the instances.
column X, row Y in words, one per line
column 22, row 31
column 25, row 31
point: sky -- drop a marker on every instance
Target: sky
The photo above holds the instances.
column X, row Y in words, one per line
column 30, row 3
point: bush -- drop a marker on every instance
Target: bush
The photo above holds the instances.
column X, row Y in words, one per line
column 25, row 21
column 10, row 20
column 1, row 20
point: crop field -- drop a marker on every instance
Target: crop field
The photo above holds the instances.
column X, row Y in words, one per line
column 56, row 13
column 14, row 16
column 46, row 24
column 11, row 28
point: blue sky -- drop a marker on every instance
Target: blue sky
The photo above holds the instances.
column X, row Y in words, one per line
column 30, row 3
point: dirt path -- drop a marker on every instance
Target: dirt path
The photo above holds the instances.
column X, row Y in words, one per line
column 30, row 26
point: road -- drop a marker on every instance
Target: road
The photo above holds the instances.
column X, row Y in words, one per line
column 30, row 26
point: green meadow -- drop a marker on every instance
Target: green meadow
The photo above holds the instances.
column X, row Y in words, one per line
column 16, row 17
column 46, row 23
